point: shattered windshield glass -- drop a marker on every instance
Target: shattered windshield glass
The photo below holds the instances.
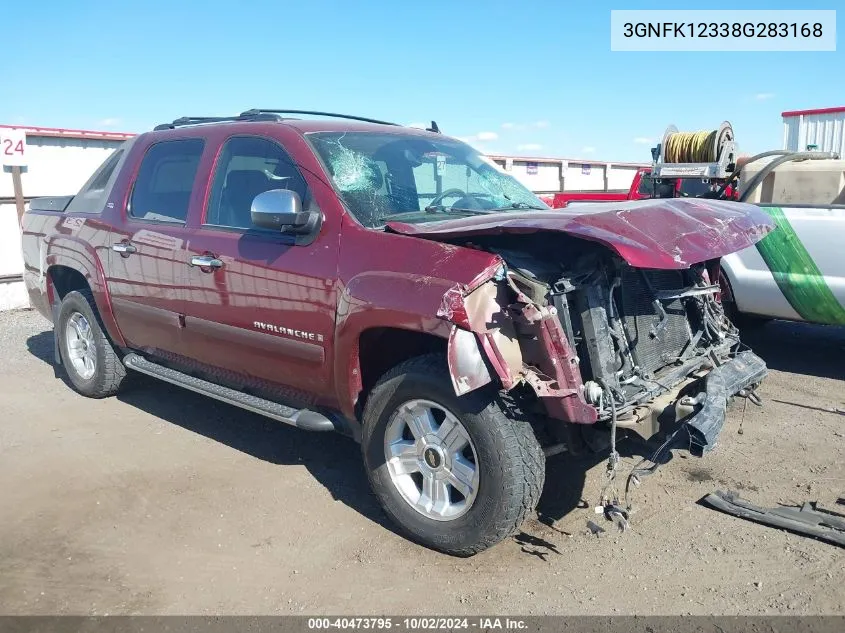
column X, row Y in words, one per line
column 385, row 177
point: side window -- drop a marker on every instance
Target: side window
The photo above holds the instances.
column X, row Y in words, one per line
column 646, row 187
column 92, row 197
column 248, row 166
column 163, row 187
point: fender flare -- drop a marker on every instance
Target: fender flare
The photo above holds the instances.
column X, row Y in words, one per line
column 82, row 257
column 347, row 367
column 379, row 299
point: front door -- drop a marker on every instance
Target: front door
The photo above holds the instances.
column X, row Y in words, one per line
column 257, row 305
column 146, row 262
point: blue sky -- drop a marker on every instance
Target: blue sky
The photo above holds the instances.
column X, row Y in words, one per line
column 532, row 78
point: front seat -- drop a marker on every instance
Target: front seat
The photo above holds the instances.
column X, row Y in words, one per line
column 239, row 191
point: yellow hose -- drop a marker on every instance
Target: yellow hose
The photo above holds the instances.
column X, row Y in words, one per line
column 691, row 147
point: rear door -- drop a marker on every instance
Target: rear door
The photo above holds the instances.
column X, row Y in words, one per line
column 264, row 311
column 146, row 263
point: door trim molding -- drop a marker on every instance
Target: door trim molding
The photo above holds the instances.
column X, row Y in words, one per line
column 292, row 348
column 158, row 316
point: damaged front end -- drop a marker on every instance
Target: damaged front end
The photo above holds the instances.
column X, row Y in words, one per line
column 598, row 340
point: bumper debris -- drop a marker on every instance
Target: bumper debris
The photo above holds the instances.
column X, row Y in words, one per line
column 807, row 519
column 744, row 370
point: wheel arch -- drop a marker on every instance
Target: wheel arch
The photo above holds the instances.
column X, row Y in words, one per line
column 380, row 348
column 71, row 270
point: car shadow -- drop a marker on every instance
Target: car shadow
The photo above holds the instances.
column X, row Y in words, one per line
column 565, row 489
column 41, row 346
column 332, row 459
column 799, row 348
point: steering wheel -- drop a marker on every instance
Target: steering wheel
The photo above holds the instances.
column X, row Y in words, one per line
column 446, row 194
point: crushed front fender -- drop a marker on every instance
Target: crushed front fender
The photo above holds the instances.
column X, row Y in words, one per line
column 498, row 331
column 466, row 362
column 479, row 312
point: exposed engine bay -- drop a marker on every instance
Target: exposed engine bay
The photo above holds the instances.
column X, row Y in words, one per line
column 637, row 333
column 613, row 318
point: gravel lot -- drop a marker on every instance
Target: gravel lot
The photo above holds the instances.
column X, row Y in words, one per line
column 163, row 502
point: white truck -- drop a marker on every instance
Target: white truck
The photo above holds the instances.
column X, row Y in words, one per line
column 797, row 272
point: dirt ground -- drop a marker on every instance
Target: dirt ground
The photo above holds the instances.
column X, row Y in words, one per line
column 163, row 502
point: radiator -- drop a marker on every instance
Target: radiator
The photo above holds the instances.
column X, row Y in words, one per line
column 639, row 317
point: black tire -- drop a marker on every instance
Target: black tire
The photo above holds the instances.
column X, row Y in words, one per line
column 510, row 462
column 109, row 372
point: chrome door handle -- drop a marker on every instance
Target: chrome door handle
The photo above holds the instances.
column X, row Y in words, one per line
column 124, row 248
column 206, row 261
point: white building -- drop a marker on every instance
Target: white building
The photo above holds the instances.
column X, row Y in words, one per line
column 822, row 127
column 550, row 175
column 58, row 162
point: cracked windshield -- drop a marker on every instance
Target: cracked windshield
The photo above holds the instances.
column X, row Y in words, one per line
column 409, row 178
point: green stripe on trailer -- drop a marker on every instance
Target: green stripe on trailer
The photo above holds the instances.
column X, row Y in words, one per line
column 797, row 275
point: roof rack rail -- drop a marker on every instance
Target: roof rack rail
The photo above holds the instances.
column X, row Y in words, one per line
column 198, row 120
column 261, row 114
column 260, row 111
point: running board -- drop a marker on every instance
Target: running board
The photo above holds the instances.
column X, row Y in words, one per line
column 301, row 418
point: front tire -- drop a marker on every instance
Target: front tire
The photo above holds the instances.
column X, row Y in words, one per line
column 88, row 357
column 456, row 474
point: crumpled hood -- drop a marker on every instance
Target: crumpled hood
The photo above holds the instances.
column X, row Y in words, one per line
column 660, row 233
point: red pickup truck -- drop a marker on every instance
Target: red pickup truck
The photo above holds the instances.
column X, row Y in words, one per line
column 642, row 188
column 391, row 284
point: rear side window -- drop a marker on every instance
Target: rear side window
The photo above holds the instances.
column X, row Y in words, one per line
column 102, row 177
column 162, row 190
column 92, row 197
column 646, row 187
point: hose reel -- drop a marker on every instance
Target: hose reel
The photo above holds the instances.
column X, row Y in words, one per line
column 701, row 154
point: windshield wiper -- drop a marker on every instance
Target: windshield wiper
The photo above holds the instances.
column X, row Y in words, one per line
column 445, row 211
column 441, row 208
column 519, row 205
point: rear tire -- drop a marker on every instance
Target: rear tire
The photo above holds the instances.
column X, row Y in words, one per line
column 90, row 361
column 462, row 495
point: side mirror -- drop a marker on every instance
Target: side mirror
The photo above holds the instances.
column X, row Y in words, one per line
column 281, row 210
